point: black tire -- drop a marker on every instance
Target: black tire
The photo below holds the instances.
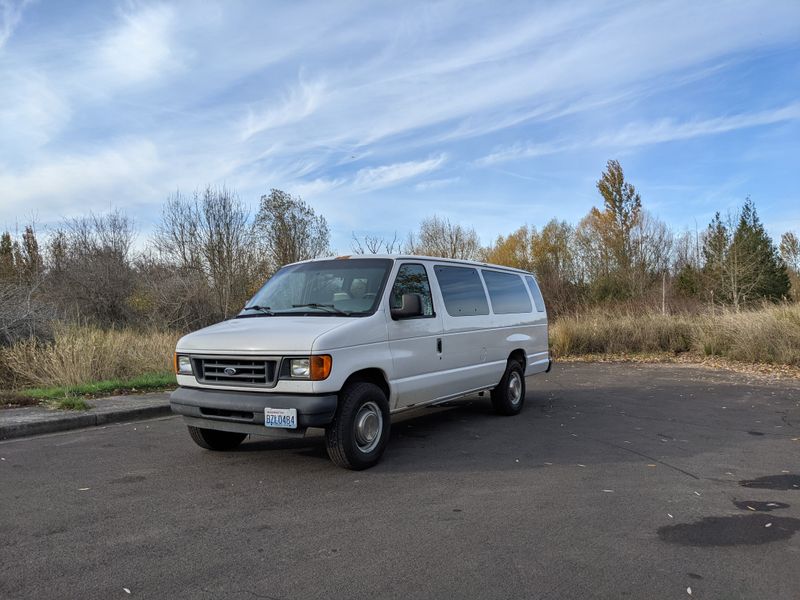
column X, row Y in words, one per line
column 349, row 445
column 212, row 439
column 509, row 395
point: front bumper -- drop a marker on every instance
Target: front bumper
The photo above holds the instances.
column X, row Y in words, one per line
column 243, row 412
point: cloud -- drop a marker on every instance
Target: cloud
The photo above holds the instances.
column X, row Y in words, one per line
column 140, row 48
column 299, row 102
column 640, row 134
column 31, row 113
column 668, row 130
column 116, row 173
column 435, row 184
column 374, row 178
column 10, row 18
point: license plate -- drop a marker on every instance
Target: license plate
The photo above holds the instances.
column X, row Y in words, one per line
column 284, row 418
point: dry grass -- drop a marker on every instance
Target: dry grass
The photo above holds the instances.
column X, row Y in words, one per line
column 768, row 335
column 79, row 355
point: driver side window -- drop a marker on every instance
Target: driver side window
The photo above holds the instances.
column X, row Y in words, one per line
column 412, row 279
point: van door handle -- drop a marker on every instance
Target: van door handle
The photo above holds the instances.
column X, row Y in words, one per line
column 439, row 345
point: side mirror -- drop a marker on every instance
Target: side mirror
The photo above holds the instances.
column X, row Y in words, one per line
column 411, row 307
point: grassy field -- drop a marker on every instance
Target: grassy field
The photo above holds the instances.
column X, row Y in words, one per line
column 769, row 335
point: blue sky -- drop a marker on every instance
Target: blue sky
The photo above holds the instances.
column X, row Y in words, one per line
column 379, row 114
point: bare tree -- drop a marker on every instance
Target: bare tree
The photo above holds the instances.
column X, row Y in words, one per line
column 290, row 230
column 439, row 237
column 374, row 244
column 211, row 237
column 89, row 271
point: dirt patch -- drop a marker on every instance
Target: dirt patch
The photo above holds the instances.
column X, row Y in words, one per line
column 13, row 400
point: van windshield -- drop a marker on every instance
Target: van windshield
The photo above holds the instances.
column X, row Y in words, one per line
column 322, row 288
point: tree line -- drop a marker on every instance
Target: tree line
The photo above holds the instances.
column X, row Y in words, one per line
column 209, row 254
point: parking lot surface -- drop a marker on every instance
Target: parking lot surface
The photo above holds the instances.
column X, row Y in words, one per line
column 617, row 480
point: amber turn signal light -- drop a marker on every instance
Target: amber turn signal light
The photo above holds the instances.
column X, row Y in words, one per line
column 320, row 366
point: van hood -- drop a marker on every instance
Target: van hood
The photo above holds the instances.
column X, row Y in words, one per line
column 268, row 335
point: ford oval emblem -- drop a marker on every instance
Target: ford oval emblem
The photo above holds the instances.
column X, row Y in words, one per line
column 229, row 371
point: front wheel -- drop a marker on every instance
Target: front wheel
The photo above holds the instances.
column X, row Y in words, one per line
column 211, row 439
column 357, row 436
column 509, row 395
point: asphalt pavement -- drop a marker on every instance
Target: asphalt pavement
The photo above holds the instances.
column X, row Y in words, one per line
column 616, row 481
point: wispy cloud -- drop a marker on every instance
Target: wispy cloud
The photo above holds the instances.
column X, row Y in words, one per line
column 640, row 134
column 374, row 178
column 10, row 17
column 299, row 101
column 436, row 184
column 139, row 49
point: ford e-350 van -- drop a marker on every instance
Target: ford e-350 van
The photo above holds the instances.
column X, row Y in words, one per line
column 343, row 344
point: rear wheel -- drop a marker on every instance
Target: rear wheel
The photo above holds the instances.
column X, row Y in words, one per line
column 357, row 436
column 509, row 395
column 211, row 439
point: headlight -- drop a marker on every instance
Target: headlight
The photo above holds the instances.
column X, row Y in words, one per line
column 315, row 368
column 183, row 365
column 299, row 367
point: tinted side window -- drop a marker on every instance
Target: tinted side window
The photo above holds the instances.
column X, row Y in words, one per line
column 537, row 295
column 507, row 293
column 462, row 291
column 412, row 279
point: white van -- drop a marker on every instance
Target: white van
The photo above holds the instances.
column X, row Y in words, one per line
column 345, row 343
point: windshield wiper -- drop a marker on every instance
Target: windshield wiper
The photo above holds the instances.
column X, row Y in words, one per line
column 262, row 309
column 329, row 307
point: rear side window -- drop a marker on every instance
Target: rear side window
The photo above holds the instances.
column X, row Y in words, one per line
column 507, row 293
column 537, row 295
column 412, row 279
column 462, row 291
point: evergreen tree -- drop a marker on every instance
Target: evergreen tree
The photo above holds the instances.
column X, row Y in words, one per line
column 7, row 266
column 744, row 266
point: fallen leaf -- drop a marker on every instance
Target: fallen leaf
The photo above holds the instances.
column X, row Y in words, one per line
column 126, row 590
column 609, row 491
column 750, row 508
column 670, row 516
column 582, row 466
column 82, row 489
column 651, row 465
column 548, row 463
column 689, row 591
column 516, row 460
column 768, row 525
column 697, row 493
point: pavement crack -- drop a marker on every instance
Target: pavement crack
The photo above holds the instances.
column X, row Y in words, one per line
column 648, row 457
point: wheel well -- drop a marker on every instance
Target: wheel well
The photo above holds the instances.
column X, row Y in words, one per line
column 375, row 376
column 519, row 356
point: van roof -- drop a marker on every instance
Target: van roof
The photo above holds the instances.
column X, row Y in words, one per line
column 456, row 261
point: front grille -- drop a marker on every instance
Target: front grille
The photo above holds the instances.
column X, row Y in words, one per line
column 240, row 371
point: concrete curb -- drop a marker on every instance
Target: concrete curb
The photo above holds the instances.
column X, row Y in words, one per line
column 52, row 423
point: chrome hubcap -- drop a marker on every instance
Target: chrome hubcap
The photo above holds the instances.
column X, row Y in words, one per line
column 368, row 427
column 514, row 388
